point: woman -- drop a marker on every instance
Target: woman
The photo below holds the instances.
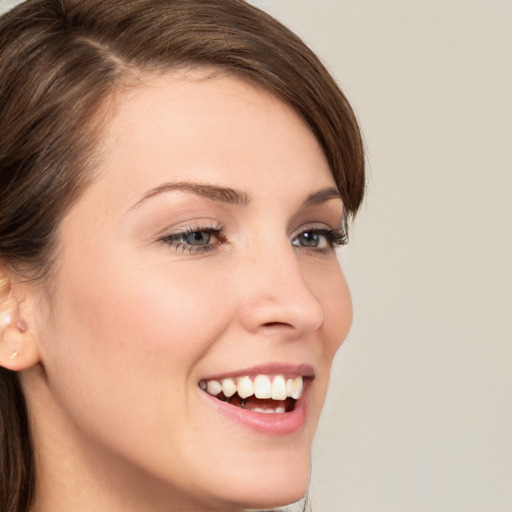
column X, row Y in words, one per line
column 174, row 178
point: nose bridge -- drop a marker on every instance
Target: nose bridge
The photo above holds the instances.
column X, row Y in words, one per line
column 277, row 292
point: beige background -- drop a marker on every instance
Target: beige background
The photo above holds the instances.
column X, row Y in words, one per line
column 419, row 417
column 7, row 4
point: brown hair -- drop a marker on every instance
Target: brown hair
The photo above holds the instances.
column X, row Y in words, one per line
column 60, row 61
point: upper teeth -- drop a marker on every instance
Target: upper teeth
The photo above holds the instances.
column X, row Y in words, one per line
column 261, row 386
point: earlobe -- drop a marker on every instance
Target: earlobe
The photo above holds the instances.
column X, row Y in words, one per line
column 18, row 346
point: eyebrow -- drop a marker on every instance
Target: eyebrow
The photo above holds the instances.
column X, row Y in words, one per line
column 215, row 193
column 322, row 196
column 231, row 196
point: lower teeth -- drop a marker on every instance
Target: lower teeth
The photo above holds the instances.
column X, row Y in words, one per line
column 277, row 410
column 264, row 406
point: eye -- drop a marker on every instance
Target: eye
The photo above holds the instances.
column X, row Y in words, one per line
column 309, row 239
column 320, row 239
column 198, row 238
column 195, row 239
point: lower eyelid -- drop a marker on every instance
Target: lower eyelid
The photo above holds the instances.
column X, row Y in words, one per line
column 191, row 249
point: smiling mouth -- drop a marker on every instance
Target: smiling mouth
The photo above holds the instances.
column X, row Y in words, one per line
column 270, row 394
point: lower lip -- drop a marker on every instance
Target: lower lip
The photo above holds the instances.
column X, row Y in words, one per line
column 274, row 424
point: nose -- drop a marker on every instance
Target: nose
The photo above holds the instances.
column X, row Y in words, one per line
column 278, row 297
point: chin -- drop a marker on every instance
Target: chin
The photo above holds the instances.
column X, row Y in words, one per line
column 269, row 487
column 273, row 498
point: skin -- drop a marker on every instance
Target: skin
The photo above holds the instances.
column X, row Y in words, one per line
column 132, row 324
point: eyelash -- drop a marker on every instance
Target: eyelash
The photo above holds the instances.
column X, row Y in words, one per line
column 333, row 237
column 175, row 239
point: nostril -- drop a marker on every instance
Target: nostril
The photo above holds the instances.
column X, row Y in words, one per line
column 277, row 324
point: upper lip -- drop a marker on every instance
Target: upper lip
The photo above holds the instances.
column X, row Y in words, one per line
column 286, row 369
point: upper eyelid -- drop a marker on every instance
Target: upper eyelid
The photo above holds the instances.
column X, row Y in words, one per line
column 211, row 226
column 208, row 225
column 319, row 225
column 218, row 228
column 175, row 234
column 195, row 229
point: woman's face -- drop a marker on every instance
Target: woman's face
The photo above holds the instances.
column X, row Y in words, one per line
column 201, row 256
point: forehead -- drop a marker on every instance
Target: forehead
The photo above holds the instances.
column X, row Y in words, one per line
column 217, row 128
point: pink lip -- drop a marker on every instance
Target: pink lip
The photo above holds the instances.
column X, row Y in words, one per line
column 275, row 424
column 286, row 369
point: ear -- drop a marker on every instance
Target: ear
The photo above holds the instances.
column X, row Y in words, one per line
column 18, row 345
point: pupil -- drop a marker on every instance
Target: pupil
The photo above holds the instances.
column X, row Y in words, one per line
column 197, row 238
column 310, row 239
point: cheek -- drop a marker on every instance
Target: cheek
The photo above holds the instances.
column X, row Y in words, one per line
column 337, row 307
column 122, row 353
column 124, row 334
column 340, row 313
column 139, row 314
column 331, row 290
